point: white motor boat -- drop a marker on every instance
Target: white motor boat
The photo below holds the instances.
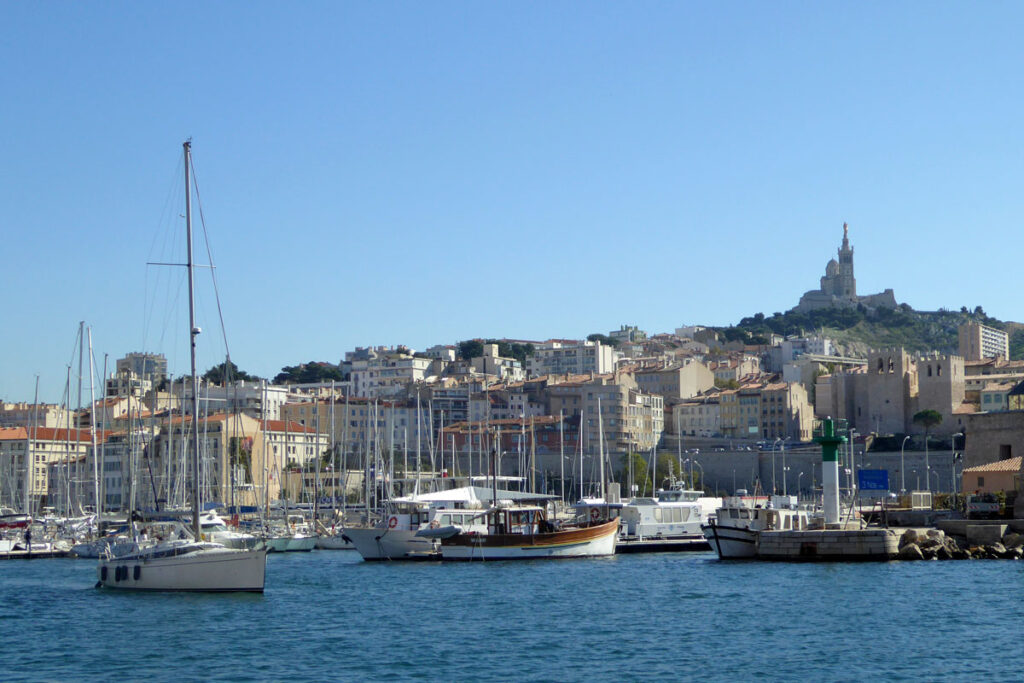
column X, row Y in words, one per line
column 395, row 537
column 734, row 531
column 672, row 521
column 213, row 528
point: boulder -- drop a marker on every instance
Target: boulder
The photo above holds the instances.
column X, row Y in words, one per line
column 909, row 536
column 937, row 534
column 910, row 551
column 944, row 553
column 1013, row 554
column 998, row 548
column 929, row 543
column 1013, row 540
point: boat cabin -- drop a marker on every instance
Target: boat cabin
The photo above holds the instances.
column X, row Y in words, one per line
column 521, row 520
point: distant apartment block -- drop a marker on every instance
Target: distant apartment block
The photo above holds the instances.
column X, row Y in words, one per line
column 979, row 341
column 387, row 374
column 628, row 334
column 697, row 417
column 29, row 414
column 570, row 357
column 679, row 380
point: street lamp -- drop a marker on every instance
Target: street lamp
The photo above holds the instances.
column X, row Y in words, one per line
column 798, row 477
column 784, row 468
column 937, row 485
column 952, row 464
column 774, row 444
column 693, row 461
column 903, row 483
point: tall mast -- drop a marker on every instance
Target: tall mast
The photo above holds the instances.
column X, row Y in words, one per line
column 193, row 332
column 600, row 447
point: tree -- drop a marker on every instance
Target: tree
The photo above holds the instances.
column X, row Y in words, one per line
column 927, row 418
column 471, row 348
column 219, row 374
column 309, row 373
column 603, row 338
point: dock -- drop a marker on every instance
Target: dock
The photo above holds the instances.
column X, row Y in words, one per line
column 829, row 545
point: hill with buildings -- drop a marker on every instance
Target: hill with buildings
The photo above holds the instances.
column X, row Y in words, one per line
column 859, row 328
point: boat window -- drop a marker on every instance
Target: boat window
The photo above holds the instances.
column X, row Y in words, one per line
column 785, row 522
column 684, row 515
column 744, row 514
column 657, row 514
column 733, row 513
column 444, row 520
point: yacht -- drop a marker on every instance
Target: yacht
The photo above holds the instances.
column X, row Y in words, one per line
column 734, row 531
column 671, row 521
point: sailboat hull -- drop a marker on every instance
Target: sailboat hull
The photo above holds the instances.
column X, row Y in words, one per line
column 214, row 570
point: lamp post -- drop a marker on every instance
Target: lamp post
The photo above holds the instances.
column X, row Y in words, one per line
column 774, row 444
column 952, row 463
column 693, row 461
column 903, row 483
column 798, row 477
column 937, row 485
column 784, row 468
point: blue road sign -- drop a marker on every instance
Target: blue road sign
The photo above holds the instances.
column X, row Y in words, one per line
column 873, row 480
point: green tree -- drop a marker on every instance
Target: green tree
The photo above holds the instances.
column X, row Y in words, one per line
column 309, row 373
column 227, row 371
column 471, row 348
column 603, row 338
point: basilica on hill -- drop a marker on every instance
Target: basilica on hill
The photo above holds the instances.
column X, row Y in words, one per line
column 839, row 286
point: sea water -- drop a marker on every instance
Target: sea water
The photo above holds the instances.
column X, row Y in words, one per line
column 327, row 615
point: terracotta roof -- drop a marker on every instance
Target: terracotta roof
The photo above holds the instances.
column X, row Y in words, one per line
column 1009, row 465
column 49, row 434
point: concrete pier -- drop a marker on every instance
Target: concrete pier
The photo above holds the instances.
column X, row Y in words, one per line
column 829, row 545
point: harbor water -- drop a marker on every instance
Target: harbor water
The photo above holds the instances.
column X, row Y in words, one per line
column 329, row 615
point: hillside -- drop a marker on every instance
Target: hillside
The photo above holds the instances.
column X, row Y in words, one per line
column 855, row 330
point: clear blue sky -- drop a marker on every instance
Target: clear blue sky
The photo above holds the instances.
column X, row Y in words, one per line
column 421, row 173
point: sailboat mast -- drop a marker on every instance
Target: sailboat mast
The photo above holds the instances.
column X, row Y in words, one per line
column 193, row 332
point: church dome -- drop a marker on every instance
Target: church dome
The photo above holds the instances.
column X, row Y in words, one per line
column 832, row 269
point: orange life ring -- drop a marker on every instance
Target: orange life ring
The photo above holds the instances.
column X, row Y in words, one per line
column 393, row 522
column 595, row 514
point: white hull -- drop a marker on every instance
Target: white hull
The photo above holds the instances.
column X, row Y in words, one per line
column 211, row 569
column 391, row 544
column 300, row 544
column 731, row 543
column 596, row 547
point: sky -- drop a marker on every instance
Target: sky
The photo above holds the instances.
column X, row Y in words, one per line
column 422, row 173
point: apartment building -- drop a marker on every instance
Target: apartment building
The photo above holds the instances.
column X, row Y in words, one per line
column 979, row 341
column 560, row 357
column 698, row 416
column 36, row 447
column 679, row 380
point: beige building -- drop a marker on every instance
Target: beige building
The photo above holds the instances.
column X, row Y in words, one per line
column 697, row 417
column 979, row 341
column 740, row 412
column 786, row 412
column 679, row 380
column 29, row 414
column 631, row 419
column 39, row 447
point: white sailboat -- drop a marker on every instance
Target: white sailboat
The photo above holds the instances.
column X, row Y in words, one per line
column 183, row 563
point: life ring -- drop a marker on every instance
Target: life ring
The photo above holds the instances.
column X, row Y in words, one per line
column 595, row 514
column 393, row 522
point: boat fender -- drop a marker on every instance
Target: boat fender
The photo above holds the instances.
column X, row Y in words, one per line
column 137, row 572
column 595, row 514
column 393, row 522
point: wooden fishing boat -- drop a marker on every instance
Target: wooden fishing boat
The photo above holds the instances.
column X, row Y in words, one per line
column 522, row 532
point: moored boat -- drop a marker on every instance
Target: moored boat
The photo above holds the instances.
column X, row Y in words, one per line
column 522, row 532
column 734, row 532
